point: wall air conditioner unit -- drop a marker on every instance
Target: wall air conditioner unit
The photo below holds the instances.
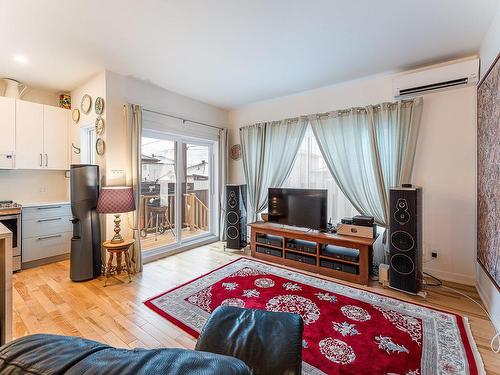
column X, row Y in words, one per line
column 458, row 74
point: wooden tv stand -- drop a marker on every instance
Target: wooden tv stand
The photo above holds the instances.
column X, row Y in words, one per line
column 323, row 264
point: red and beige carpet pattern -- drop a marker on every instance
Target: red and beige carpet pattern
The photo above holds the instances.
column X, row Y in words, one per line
column 346, row 330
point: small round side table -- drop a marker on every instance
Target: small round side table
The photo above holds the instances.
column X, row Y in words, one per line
column 119, row 249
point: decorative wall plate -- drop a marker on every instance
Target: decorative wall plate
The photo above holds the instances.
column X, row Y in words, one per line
column 236, row 152
column 100, row 146
column 99, row 125
column 86, row 104
column 99, row 105
column 76, row 115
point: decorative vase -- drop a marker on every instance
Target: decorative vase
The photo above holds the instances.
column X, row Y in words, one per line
column 14, row 89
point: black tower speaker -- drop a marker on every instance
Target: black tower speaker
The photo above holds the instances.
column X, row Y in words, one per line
column 405, row 238
column 236, row 216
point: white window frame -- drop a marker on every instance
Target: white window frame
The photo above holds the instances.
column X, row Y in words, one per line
column 88, row 138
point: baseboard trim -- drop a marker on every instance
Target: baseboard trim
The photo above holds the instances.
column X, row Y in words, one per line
column 452, row 276
column 488, row 303
column 41, row 262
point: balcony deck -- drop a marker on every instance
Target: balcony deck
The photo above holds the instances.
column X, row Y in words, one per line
column 167, row 238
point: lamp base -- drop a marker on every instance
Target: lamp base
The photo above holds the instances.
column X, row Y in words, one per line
column 117, row 238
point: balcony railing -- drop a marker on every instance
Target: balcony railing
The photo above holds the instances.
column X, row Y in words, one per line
column 159, row 218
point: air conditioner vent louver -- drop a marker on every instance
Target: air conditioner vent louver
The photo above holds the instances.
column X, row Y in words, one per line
column 438, row 78
column 435, row 86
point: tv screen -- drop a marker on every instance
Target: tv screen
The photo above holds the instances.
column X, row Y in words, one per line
column 298, row 207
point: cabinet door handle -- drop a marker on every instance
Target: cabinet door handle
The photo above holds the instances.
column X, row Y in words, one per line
column 41, row 160
column 46, row 160
column 47, row 237
column 47, row 207
column 54, row 219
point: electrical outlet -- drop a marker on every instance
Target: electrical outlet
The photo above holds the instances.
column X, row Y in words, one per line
column 434, row 254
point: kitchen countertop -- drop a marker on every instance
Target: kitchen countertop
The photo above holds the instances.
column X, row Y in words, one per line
column 41, row 204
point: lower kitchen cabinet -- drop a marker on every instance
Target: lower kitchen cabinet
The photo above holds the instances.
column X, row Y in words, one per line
column 47, row 233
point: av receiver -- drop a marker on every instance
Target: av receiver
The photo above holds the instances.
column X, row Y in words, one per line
column 300, row 245
column 268, row 239
column 339, row 252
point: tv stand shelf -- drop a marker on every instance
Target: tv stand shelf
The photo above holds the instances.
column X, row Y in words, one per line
column 323, row 264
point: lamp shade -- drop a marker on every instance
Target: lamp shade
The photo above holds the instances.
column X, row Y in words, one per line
column 116, row 200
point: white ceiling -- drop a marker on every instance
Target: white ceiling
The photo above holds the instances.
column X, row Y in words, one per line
column 233, row 52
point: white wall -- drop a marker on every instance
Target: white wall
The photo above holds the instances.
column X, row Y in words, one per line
column 444, row 165
column 33, row 186
column 41, row 96
column 95, row 87
column 490, row 48
column 121, row 90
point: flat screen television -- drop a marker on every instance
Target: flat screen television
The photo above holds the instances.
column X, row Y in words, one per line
column 306, row 208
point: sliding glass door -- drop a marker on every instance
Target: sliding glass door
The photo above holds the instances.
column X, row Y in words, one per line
column 176, row 191
column 196, row 189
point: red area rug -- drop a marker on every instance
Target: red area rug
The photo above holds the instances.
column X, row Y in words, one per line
column 347, row 330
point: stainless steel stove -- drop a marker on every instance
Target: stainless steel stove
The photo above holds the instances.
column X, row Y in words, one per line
column 10, row 216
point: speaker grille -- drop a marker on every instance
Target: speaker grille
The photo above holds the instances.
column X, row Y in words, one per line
column 232, row 217
column 402, row 264
column 236, row 216
column 402, row 240
column 232, row 233
column 405, row 234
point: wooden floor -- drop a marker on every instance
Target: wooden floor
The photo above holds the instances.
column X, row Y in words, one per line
column 45, row 300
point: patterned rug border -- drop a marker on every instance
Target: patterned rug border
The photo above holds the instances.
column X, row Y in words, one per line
column 463, row 323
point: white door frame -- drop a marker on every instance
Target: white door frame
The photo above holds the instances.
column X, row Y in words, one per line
column 180, row 170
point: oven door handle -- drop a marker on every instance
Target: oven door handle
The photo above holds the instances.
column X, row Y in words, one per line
column 8, row 217
column 47, row 237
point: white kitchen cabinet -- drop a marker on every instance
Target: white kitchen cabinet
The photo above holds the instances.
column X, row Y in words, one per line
column 55, row 137
column 46, row 233
column 29, row 135
column 7, row 124
column 41, row 136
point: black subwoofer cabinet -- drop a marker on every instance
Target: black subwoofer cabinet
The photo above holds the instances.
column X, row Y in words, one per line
column 405, row 238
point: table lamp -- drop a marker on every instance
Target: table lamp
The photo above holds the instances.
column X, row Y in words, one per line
column 116, row 200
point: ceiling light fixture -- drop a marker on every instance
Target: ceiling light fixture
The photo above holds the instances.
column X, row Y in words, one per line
column 21, row 59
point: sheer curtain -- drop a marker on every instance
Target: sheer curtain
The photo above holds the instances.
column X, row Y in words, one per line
column 133, row 121
column 368, row 150
column 311, row 172
column 268, row 151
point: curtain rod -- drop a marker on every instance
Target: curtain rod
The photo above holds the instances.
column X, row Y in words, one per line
column 182, row 119
column 339, row 112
